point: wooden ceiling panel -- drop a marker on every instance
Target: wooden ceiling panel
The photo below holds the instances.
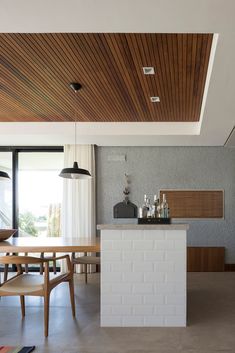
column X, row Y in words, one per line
column 36, row 69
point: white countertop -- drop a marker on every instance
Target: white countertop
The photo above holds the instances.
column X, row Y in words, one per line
column 176, row 226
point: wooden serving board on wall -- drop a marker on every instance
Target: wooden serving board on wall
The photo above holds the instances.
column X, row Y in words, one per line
column 195, row 203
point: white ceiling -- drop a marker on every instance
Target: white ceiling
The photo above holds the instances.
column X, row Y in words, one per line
column 163, row 16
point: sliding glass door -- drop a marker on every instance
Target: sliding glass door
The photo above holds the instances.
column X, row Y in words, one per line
column 39, row 193
column 6, row 191
column 31, row 200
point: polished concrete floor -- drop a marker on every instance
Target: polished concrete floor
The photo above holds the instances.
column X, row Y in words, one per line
column 211, row 322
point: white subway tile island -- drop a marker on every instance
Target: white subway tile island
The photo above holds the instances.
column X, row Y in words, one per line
column 143, row 275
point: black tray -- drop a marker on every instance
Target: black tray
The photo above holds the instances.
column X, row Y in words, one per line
column 154, row 220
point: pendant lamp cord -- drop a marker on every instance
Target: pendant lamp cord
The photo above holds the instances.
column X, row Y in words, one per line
column 75, row 129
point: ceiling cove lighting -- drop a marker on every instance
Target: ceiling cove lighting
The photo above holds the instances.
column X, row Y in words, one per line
column 148, row 70
column 4, row 175
column 75, row 172
column 155, row 99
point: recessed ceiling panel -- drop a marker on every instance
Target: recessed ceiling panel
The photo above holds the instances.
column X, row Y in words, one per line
column 36, row 69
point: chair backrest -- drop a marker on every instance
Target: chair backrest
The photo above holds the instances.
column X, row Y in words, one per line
column 20, row 260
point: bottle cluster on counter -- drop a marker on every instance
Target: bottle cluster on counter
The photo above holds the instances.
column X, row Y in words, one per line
column 156, row 212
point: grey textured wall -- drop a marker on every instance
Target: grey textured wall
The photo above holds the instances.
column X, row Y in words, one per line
column 154, row 168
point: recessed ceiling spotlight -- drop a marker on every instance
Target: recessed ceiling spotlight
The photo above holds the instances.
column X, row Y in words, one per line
column 148, row 70
column 155, row 99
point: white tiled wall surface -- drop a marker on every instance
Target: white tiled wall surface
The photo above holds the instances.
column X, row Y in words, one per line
column 143, row 278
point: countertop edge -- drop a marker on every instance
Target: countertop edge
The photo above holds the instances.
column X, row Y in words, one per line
column 143, row 226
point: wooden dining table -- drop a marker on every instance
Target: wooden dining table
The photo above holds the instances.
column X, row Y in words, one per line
column 49, row 244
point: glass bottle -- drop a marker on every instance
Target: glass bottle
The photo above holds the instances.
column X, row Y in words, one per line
column 155, row 207
column 149, row 208
column 164, row 207
column 159, row 209
column 145, row 208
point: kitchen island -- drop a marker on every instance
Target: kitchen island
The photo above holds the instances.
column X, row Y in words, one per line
column 143, row 275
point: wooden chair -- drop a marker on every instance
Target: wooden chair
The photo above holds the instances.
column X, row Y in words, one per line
column 5, row 272
column 6, row 266
column 23, row 284
column 85, row 261
column 50, row 258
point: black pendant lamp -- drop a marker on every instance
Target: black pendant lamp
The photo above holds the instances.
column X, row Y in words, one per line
column 75, row 172
column 4, row 175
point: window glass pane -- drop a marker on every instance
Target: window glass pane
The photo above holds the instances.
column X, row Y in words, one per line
column 40, row 193
column 6, row 191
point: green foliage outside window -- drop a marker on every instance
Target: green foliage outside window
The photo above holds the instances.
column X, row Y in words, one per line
column 27, row 224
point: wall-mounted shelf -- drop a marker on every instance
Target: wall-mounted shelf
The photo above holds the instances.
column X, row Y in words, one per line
column 195, row 203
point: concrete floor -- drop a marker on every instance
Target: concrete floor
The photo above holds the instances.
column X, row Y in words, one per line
column 211, row 322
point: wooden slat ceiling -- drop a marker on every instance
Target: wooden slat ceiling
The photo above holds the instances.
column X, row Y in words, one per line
column 36, row 69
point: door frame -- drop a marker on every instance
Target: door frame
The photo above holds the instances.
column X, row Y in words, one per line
column 15, row 150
